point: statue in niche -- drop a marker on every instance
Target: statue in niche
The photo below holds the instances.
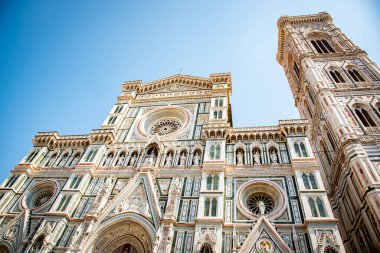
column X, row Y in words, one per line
column 182, row 160
column 120, row 160
column 169, row 159
column 240, row 158
column 108, row 160
column 261, row 207
column 256, row 157
column 133, row 160
column 273, row 156
column 196, row 158
column 149, row 159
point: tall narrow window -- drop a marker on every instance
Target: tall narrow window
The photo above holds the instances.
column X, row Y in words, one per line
column 368, row 117
column 215, row 182
column 312, row 181
column 305, row 180
column 358, row 75
column 296, row 69
column 31, row 156
column 110, row 121
column 320, row 44
column 339, row 76
column 63, row 200
column 207, row 207
column 214, row 207
column 303, row 149
column 209, row 182
column 93, row 155
column 316, row 47
column 355, row 75
column 11, row 181
column 364, row 117
column 215, row 114
column 297, row 149
column 326, row 152
column 313, row 208
column 221, row 102
column 220, row 114
column 216, row 102
column 212, row 152
column 327, row 45
column 321, row 208
column 217, row 152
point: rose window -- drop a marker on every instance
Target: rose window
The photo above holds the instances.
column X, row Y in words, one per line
column 260, row 203
column 165, row 126
column 42, row 197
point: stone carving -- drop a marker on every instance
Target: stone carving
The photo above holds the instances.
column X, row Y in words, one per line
column 196, row 158
column 256, row 158
column 135, row 202
column 133, row 160
column 273, row 157
column 120, row 160
column 102, row 197
column 240, row 158
column 169, row 159
column 182, row 160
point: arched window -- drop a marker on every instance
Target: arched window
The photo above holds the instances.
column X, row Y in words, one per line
column 214, row 207
column 217, row 152
column 209, row 182
column 313, row 208
column 297, row 148
column 303, row 149
column 212, row 152
column 215, row 182
column 38, row 244
column 309, row 181
column 322, row 46
column 32, row 156
column 305, row 180
column 365, row 117
column 312, row 181
column 4, row 249
column 207, row 207
column 216, row 102
column 220, row 114
column 336, row 76
column 221, row 102
column 215, row 114
column 206, row 248
column 355, row 75
column 75, row 160
column 89, row 155
column 296, row 69
column 321, row 208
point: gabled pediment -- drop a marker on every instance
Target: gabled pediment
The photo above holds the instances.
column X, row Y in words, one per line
column 139, row 197
column 264, row 238
column 178, row 83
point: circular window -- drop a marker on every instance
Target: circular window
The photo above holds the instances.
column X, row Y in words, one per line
column 165, row 126
column 168, row 121
column 41, row 198
column 40, row 195
column 260, row 197
column 260, row 203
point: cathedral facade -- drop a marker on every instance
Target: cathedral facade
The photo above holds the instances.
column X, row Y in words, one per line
column 168, row 172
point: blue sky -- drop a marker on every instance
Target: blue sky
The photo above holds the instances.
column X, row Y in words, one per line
column 63, row 62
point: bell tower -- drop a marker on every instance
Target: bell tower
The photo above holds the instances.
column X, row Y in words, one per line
column 336, row 87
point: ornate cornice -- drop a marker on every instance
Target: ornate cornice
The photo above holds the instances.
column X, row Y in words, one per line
column 292, row 20
column 200, row 82
column 54, row 140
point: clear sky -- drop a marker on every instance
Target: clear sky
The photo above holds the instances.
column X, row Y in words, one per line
column 62, row 62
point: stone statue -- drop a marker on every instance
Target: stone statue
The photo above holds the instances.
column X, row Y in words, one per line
column 239, row 158
column 182, row 160
column 196, row 159
column 169, row 159
column 261, row 207
column 133, row 160
column 256, row 157
column 108, row 160
column 120, row 160
column 273, row 157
